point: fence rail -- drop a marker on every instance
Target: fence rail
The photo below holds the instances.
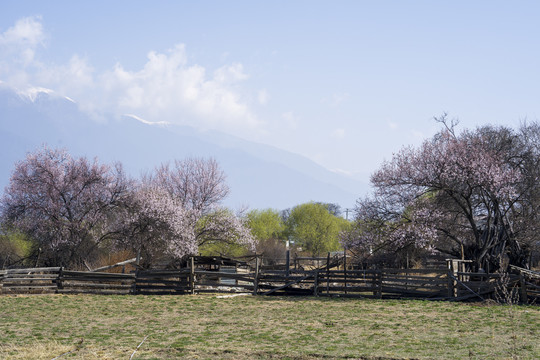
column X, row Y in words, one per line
column 384, row 283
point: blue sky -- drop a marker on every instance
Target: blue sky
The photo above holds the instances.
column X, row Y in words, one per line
column 344, row 83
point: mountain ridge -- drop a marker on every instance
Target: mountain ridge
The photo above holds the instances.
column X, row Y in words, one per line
column 259, row 175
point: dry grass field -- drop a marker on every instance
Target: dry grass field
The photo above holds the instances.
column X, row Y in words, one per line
column 246, row 327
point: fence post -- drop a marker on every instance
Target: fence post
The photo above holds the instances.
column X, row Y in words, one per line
column 256, row 278
column 379, row 289
column 288, row 263
column 345, row 269
column 192, row 275
column 328, row 274
column 523, row 289
column 59, row 284
column 316, row 283
column 452, row 285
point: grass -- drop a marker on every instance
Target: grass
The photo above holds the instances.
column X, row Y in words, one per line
column 208, row 327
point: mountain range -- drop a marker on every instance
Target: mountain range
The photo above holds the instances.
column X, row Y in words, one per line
column 259, row 176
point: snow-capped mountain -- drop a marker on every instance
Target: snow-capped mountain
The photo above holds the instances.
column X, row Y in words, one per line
column 259, row 176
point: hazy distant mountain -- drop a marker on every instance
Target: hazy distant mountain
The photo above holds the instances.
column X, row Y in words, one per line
column 259, row 176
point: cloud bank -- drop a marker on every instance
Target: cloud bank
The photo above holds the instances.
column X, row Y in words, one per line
column 167, row 88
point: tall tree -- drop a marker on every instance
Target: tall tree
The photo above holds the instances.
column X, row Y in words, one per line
column 265, row 224
column 313, row 227
column 472, row 195
column 64, row 204
column 198, row 186
column 197, row 183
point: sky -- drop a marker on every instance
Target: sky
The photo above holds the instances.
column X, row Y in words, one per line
column 344, row 83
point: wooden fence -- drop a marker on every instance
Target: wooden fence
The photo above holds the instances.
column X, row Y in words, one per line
column 197, row 277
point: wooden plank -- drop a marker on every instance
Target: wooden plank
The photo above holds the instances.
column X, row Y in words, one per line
column 32, row 270
column 287, row 285
column 349, row 281
column 352, row 288
column 368, row 277
column 121, row 263
column 224, row 275
column 94, row 291
column 152, row 273
column 30, row 276
column 94, row 275
column 29, row 287
column 354, row 272
column 96, row 286
column 162, row 288
column 162, row 282
column 352, row 296
column 423, row 282
column 414, row 271
column 88, row 279
column 415, row 277
column 11, row 280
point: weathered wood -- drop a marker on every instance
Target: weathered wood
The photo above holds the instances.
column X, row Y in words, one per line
column 424, row 282
column 32, row 270
column 68, row 285
column 256, row 278
column 30, row 287
column 352, row 288
column 466, row 287
column 121, row 263
column 288, row 262
column 30, row 276
column 379, row 285
column 287, row 284
column 412, row 271
column 523, row 289
column 94, row 291
column 327, row 272
column 90, row 280
column 345, row 268
column 96, row 275
column 390, row 289
column 316, row 284
column 28, row 279
column 192, row 275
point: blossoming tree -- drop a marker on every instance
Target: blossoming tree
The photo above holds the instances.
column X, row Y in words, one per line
column 472, row 195
column 64, row 204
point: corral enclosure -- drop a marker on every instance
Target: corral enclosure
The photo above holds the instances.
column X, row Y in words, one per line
column 325, row 277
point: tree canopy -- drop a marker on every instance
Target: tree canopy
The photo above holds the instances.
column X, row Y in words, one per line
column 72, row 209
column 472, row 194
column 313, row 227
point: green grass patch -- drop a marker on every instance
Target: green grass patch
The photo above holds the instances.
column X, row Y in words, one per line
column 206, row 327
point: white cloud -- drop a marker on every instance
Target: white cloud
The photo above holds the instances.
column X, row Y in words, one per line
column 27, row 32
column 393, row 125
column 167, row 88
column 18, row 46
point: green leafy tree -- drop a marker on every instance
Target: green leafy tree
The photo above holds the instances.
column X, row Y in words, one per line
column 267, row 227
column 15, row 248
column 265, row 224
column 314, row 228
